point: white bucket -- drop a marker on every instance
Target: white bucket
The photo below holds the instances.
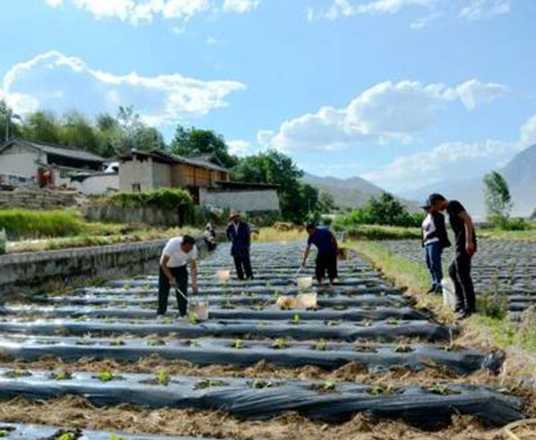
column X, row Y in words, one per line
column 449, row 293
column 305, row 282
column 308, row 300
column 198, row 310
column 223, row 275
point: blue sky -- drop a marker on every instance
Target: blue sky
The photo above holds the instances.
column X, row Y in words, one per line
column 402, row 92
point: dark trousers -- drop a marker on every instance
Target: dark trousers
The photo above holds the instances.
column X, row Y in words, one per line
column 181, row 275
column 326, row 262
column 434, row 252
column 460, row 272
column 243, row 266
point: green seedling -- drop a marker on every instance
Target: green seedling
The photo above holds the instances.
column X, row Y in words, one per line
column 295, row 319
column 163, row 377
column 15, row 374
column 61, row 375
column 403, row 348
column 382, row 390
column 328, row 386
column 333, row 323
column 194, row 319
column 209, row 383
column 442, row 390
column 5, row 431
column 259, row 384
column 86, row 342
column 67, row 436
column 117, row 343
column 320, row 345
column 365, row 349
column 156, row 342
column 115, row 437
column 280, row 344
column 106, row 376
column 392, row 321
column 238, row 344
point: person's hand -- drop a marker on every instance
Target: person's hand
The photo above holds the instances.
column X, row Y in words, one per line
column 470, row 248
column 173, row 281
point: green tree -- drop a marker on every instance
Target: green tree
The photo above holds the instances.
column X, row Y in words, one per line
column 326, row 202
column 194, row 142
column 134, row 134
column 276, row 168
column 497, row 196
column 8, row 117
column 78, row 132
column 42, row 126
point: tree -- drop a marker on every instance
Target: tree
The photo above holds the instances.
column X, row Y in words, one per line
column 194, row 142
column 387, row 210
column 296, row 199
column 42, row 126
column 134, row 134
column 8, row 128
column 78, row 132
column 326, row 202
column 497, row 196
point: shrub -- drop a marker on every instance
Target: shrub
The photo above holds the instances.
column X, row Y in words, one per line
column 165, row 199
column 20, row 223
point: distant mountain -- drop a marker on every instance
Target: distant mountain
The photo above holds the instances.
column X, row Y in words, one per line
column 348, row 193
column 520, row 173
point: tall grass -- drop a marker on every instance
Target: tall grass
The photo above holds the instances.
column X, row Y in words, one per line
column 273, row 235
column 20, row 223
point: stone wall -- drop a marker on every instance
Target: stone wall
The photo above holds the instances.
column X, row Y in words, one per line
column 37, row 199
column 252, row 201
column 26, row 274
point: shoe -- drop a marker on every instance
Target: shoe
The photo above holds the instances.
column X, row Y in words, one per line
column 438, row 290
column 160, row 317
column 432, row 289
column 463, row 314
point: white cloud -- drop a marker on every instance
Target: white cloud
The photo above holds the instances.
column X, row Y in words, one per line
column 240, row 6
column 468, row 9
column 387, row 111
column 346, row 8
column 448, row 160
column 240, row 147
column 54, row 3
column 479, row 9
column 137, row 12
column 54, row 81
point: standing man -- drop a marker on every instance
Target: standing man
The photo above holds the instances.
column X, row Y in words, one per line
column 239, row 234
column 465, row 241
column 326, row 259
column 434, row 240
column 178, row 253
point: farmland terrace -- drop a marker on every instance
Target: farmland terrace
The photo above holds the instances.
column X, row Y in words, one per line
column 365, row 363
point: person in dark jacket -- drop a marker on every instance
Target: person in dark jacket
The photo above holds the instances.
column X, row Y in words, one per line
column 326, row 259
column 434, row 240
column 466, row 246
column 239, row 234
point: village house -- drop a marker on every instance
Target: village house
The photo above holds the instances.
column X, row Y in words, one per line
column 41, row 165
column 207, row 180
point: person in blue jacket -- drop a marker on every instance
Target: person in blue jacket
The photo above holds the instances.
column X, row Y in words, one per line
column 239, row 234
column 326, row 259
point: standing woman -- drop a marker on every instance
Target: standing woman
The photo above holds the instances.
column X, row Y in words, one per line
column 434, row 240
column 239, row 234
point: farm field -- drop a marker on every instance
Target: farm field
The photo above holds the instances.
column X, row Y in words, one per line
column 503, row 268
column 366, row 363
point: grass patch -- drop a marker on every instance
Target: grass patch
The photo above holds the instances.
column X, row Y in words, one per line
column 377, row 232
column 273, row 235
column 20, row 223
column 494, row 330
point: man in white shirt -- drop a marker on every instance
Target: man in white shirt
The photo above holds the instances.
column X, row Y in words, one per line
column 178, row 253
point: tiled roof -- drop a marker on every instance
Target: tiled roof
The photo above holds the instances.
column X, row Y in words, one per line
column 57, row 150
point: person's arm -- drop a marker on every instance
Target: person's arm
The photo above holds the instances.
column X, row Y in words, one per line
column 195, row 287
column 334, row 243
column 306, row 254
column 469, row 232
column 166, row 270
column 248, row 236
column 229, row 235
